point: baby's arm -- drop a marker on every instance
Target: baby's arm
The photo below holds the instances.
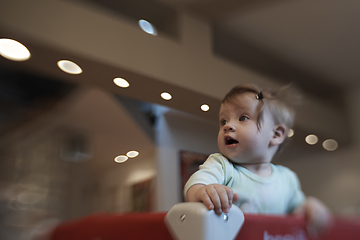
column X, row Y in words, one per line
column 214, row 196
column 317, row 215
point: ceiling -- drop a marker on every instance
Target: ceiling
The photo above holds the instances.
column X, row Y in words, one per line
column 313, row 44
column 319, row 37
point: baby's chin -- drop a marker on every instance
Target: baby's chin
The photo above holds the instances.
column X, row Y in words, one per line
column 232, row 159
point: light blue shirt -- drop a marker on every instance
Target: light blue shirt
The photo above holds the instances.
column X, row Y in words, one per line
column 279, row 193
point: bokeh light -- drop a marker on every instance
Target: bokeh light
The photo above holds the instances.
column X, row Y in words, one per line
column 166, row 96
column 291, row 132
column 205, row 107
column 132, row 154
column 121, row 159
column 330, row 145
column 13, row 50
column 121, row 82
column 311, row 139
column 147, row 27
column 69, row 67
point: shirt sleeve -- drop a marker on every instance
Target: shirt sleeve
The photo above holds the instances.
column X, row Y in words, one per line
column 212, row 171
column 298, row 197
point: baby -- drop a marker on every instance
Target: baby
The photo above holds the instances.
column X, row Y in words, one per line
column 253, row 127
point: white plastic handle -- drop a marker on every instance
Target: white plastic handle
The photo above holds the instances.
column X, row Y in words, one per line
column 193, row 221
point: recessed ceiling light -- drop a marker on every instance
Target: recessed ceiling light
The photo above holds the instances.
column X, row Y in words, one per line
column 121, row 82
column 13, row 50
column 69, row 67
column 121, row 159
column 330, row 144
column 132, row 154
column 147, row 27
column 291, row 132
column 311, row 139
column 166, row 96
column 205, row 107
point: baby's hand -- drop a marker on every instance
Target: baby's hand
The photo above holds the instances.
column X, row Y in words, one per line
column 214, row 196
column 318, row 216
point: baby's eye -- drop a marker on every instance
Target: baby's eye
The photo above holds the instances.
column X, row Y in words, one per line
column 223, row 122
column 243, row 118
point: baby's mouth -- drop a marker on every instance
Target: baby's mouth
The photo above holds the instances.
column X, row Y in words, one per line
column 230, row 141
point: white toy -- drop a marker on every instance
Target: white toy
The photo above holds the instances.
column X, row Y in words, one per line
column 193, row 221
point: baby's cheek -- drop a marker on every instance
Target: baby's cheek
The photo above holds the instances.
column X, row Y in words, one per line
column 220, row 139
column 221, row 145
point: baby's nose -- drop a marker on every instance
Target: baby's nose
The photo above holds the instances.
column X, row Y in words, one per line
column 229, row 127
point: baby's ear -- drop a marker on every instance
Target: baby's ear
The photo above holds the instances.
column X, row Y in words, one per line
column 278, row 135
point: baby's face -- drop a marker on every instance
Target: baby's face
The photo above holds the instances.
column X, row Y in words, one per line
column 239, row 138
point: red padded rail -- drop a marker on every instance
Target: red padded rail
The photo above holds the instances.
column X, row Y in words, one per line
column 138, row 226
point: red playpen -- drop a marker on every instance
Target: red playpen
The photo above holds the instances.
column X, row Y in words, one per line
column 137, row 226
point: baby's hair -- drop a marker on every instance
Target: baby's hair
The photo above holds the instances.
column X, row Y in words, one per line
column 280, row 103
